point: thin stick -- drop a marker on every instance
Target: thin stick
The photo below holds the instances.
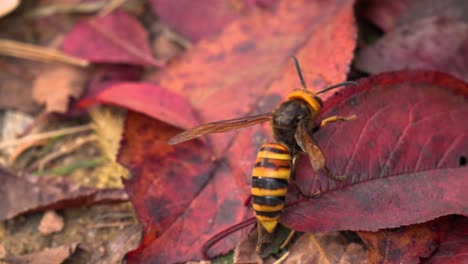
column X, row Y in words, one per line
column 111, row 6
column 38, row 53
column 282, row 259
column 51, row 134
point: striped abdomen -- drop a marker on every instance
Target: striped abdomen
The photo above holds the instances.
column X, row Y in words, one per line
column 270, row 178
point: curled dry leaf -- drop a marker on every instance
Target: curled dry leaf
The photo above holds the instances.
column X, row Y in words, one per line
column 55, row 86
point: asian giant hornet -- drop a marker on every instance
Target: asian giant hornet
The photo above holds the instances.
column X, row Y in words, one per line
column 292, row 122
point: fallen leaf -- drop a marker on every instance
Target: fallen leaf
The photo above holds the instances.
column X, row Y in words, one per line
column 202, row 19
column 54, row 255
column 101, row 78
column 56, row 86
column 406, row 244
column 454, row 249
column 393, row 14
column 113, row 250
column 50, row 223
column 114, row 38
column 145, row 98
column 404, row 157
column 325, row 248
column 245, row 251
column 246, row 70
column 433, row 43
column 23, row 195
column 15, row 86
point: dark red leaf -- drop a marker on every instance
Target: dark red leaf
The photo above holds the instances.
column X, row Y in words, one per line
column 433, row 43
column 115, row 38
column 198, row 19
column 187, row 193
column 392, row 14
column 404, row 157
column 29, row 195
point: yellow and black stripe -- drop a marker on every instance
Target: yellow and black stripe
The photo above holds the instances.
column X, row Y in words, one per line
column 311, row 98
column 270, row 179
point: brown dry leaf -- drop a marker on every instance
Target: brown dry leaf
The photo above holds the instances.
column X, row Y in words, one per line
column 50, row 223
column 326, row 248
column 22, row 195
column 245, row 250
column 115, row 249
column 7, row 6
column 15, row 85
column 46, row 256
column 56, row 85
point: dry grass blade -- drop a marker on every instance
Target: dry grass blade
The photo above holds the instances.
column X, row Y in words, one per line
column 48, row 10
column 56, row 133
column 65, row 149
column 37, row 53
column 111, row 6
column 82, row 8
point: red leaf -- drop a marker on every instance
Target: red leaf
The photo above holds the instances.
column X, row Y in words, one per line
column 433, row 43
column 148, row 99
column 404, row 157
column 187, row 193
column 115, row 38
column 392, row 14
column 198, row 19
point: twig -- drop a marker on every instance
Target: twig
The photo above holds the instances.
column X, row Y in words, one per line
column 111, row 6
column 109, row 225
column 51, row 134
column 282, row 259
column 38, row 53
column 48, row 10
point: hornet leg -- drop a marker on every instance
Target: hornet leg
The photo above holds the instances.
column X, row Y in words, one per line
column 332, row 119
